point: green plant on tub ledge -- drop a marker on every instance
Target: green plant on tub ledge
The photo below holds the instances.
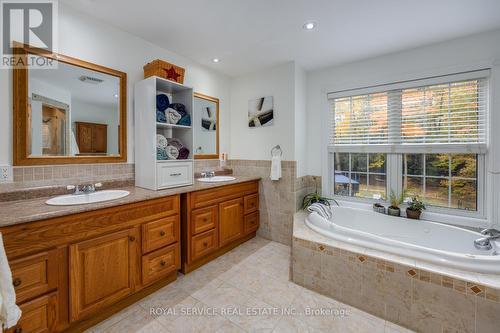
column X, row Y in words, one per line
column 415, row 208
column 395, row 201
column 314, row 197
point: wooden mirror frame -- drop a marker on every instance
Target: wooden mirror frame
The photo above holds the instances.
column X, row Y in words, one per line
column 20, row 112
column 208, row 156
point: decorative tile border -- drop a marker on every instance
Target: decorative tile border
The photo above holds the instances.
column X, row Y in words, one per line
column 415, row 298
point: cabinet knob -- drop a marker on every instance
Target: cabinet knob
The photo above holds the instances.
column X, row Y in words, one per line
column 17, row 282
column 204, row 219
column 205, row 244
column 18, row 330
column 131, row 238
column 162, row 233
column 163, row 263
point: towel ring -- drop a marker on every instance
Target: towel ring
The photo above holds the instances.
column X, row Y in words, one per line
column 275, row 149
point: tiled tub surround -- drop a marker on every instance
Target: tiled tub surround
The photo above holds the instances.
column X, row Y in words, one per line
column 422, row 297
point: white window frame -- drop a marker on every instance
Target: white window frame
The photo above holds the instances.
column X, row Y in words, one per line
column 394, row 156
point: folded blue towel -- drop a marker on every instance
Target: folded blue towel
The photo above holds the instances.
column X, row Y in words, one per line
column 160, row 116
column 185, row 120
column 162, row 102
column 161, row 154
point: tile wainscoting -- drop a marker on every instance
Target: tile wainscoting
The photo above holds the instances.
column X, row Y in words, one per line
column 415, row 298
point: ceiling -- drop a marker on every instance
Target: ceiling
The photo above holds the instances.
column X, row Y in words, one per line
column 247, row 35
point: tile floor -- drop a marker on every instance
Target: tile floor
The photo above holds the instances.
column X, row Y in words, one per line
column 245, row 290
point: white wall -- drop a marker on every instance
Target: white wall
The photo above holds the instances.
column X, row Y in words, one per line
column 465, row 54
column 256, row 143
column 301, row 121
column 88, row 39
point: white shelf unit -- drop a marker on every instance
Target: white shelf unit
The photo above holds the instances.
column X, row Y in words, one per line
column 149, row 172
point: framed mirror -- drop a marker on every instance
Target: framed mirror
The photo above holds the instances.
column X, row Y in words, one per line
column 72, row 113
column 206, row 126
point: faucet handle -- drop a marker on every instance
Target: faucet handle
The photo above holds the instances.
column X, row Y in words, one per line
column 490, row 232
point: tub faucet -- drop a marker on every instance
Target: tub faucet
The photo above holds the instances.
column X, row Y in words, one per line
column 484, row 243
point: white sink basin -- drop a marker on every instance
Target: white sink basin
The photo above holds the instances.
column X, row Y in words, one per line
column 83, row 199
column 216, row 179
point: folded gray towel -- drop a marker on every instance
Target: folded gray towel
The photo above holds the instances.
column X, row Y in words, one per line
column 172, row 152
column 172, row 116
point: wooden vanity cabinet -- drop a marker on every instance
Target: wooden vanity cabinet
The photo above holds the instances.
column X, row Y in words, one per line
column 216, row 220
column 71, row 272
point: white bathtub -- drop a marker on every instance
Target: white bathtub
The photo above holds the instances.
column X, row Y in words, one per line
column 422, row 240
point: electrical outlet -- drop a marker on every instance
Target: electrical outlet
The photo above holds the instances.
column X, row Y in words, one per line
column 6, row 174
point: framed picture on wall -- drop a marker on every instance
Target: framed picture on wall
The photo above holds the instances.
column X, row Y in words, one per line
column 261, row 112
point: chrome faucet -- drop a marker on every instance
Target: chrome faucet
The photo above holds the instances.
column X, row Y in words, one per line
column 484, row 243
column 84, row 189
column 208, row 174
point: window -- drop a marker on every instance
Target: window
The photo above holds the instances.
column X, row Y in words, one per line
column 443, row 180
column 360, row 175
column 427, row 137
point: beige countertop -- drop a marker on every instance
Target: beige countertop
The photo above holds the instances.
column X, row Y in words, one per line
column 23, row 211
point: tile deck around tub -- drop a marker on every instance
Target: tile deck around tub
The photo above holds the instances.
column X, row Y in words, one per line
column 425, row 298
column 246, row 290
column 301, row 231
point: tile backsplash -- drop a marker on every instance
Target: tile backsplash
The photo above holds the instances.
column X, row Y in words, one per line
column 58, row 175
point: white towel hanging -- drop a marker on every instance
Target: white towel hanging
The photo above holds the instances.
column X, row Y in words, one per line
column 9, row 311
column 276, row 167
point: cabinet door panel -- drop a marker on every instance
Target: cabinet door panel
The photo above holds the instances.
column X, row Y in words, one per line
column 38, row 316
column 231, row 223
column 34, row 275
column 102, row 271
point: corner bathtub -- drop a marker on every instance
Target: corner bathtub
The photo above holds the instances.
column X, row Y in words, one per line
column 421, row 240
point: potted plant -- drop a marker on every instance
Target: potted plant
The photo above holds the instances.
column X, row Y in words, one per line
column 414, row 209
column 379, row 208
column 311, row 198
column 395, row 200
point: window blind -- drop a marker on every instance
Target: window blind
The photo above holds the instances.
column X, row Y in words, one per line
column 443, row 117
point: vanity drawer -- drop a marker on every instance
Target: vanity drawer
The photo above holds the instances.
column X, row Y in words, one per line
column 38, row 316
column 34, row 275
column 212, row 196
column 160, row 263
column 251, row 222
column 203, row 219
column 159, row 233
column 251, row 203
column 174, row 174
column 203, row 244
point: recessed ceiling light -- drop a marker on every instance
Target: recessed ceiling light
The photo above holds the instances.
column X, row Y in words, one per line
column 309, row 25
column 116, row 95
column 216, row 60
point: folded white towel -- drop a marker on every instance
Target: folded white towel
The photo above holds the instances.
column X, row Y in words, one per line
column 276, row 167
column 173, row 116
column 172, row 152
column 9, row 311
